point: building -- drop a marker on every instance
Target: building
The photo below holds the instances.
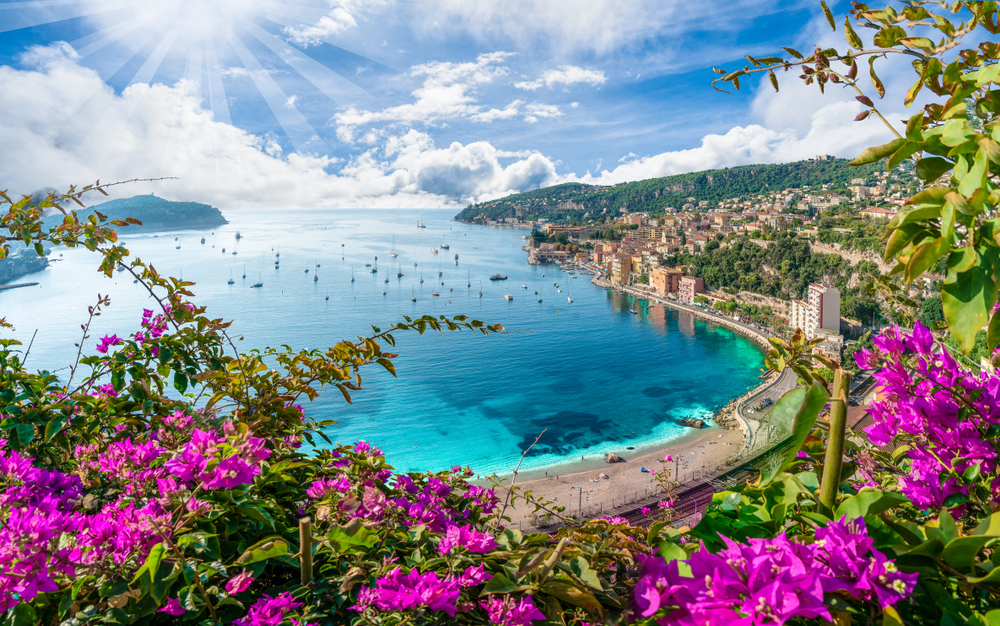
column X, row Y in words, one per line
column 666, row 279
column 634, row 219
column 819, row 312
column 877, row 213
column 689, row 287
column 621, row 267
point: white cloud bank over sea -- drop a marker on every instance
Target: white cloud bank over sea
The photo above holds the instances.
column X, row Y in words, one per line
column 63, row 125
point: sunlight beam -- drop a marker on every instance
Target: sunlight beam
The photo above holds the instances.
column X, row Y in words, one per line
column 298, row 130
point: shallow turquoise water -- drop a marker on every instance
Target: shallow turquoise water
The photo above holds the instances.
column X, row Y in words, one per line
column 596, row 376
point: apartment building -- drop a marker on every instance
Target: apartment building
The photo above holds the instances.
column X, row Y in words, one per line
column 689, row 287
column 820, row 311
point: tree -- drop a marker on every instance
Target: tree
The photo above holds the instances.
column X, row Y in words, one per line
column 932, row 313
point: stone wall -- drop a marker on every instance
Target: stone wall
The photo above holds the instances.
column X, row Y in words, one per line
column 852, row 256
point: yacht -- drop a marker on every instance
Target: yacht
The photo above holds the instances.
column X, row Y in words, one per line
column 434, row 250
column 444, row 246
column 238, row 235
column 569, row 298
column 434, row 293
column 523, row 284
column 244, row 270
column 231, row 281
column 413, row 296
column 352, row 273
column 480, row 289
column 468, row 282
column 393, row 252
column 420, row 223
column 509, row 297
column 258, row 284
column 203, row 240
column 328, row 295
column 421, row 277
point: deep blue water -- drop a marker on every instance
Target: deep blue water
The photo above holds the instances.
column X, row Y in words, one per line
column 596, row 376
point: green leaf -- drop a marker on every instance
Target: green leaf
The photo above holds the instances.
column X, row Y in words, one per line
column 877, row 153
column 54, row 426
column 989, row 527
column 914, row 127
column 905, row 151
column 152, row 564
column 888, row 37
column 806, row 407
column 670, row 551
column 925, row 256
column 572, row 594
column 992, row 579
column 931, row 168
column 352, row 535
column 961, row 552
column 263, row 550
column 868, row 503
column 828, row 15
column 993, row 332
column 23, row 614
column 852, row 37
column 501, row 584
column 25, row 433
column 967, row 298
column 581, row 569
column 890, row 617
column 976, row 176
column 795, row 53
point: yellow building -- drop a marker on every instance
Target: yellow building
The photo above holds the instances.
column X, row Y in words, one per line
column 621, row 267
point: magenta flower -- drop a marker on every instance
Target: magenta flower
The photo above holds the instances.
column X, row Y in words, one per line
column 473, row 576
column 399, row 592
column 172, row 607
column 269, row 611
column 107, row 342
column 510, row 612
column 229, row 473
column 323, row 487
column 465, row 537
column 239, row 583
column 645, row 510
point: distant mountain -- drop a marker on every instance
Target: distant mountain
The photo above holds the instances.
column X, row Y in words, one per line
column 570, row 201
column 159, row 214
column 22, row 261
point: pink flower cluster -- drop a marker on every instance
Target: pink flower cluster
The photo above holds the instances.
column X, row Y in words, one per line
column 509, row 612
column 465, row 537
column 399, row 591
column 203, row 461
column 269, row 611
column 771, row 580
column 942, row 410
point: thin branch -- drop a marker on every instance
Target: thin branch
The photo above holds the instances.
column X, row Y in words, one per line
column 28, row 351
column 513, row 478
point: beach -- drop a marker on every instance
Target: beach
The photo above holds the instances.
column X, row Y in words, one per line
column 694, row 455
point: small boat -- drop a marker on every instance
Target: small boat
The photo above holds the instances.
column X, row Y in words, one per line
column 554, row 283
column 539, row 298
column 368, row 264
column 278, row 253
column 421, row 277
column 569, row 298
column 451, row 289
column 317, row 264
column 327, row 295
column 523, row 284
column 203, row 240
column 352, row 273
column 258, row 284
column 231, row 281
column 559, row 290
column 468, row 282
column 383, row 292
column 315, row 276
column 177, row 247
column 420, row 221
column 223, row 250
column 498, row 277
column 393, row 253
column 375, row 269
column 480, row 289
column 399, row 272
column 307, row 270
column 238, row 235
column 434, row 293
column 414, row 264
column 434, row 250
column 386, row 279
column 444, row 246
column 633, row 311
column 413, row 296
column 234, row 252
column 244, row 270
column 509, row 297
column 442, row 282
column 176, row 238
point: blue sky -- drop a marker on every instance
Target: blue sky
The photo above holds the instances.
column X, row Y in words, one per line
column 408, row 103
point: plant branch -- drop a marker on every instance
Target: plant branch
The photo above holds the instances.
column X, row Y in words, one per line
column 513, row 478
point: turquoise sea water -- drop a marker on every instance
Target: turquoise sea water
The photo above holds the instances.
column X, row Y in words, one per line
column 596, row 376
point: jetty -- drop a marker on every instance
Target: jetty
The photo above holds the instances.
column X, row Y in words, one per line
column 16, row 285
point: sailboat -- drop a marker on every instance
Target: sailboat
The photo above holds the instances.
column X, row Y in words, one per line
column 420, row 221
column 444, row 246
column 421, row 277
column 539, row 298
column 439, row 268
column 231, row 281
column 399, row 272
column 394, row 255
column 315, row 276
column 469, row 280
column 258, row 284
column 277, row 254
column 375, row 269
column 244, row 270
column 328, row 295
column 386, row 279
column 352, row 273
column 480, row 289
column 509, row 297
column 456, row 259
column 523, row 285
column 413, row 296
column 569, row 298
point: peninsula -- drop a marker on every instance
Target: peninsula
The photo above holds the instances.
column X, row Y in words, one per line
column 159, row 214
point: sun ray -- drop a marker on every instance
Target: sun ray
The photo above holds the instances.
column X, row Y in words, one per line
column 17, row 19
column 299, row 131
column 331, row 84
column 88, row 45
column 214, row 86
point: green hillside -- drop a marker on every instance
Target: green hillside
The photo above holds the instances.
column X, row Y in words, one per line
column 157, row 213
column 571, row 201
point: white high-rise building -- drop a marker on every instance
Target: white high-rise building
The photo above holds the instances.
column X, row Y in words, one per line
column 819, row 311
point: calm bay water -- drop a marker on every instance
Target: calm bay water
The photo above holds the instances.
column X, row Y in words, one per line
column 596, row 376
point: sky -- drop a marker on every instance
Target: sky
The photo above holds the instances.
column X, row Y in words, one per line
column 405, row 103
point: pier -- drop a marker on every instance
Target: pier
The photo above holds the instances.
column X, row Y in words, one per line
column 16, row 285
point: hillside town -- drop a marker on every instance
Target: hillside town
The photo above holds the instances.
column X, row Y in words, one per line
column 667, row 254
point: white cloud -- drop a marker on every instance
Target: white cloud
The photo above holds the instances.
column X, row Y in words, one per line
column 155, row 131
column 565, row 75
column 343, row 16
column 535, row 110
column 447, row 92
column 290, row 103
column 242, row 72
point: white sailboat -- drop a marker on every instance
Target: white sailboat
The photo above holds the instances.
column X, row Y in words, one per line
column 420, row 224
column 569, row 298
column 259, row 283
column 523, row 284
column 244, row 270
column 393, row 252
column 231, row 281
column 480, row 289
column 413, row 296
column 469, row 280
column 352, row 273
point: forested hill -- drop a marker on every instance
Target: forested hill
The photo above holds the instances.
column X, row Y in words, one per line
column 157, row 213
column 570, row 201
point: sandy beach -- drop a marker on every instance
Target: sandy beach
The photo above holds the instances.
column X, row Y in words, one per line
column 699, row 452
